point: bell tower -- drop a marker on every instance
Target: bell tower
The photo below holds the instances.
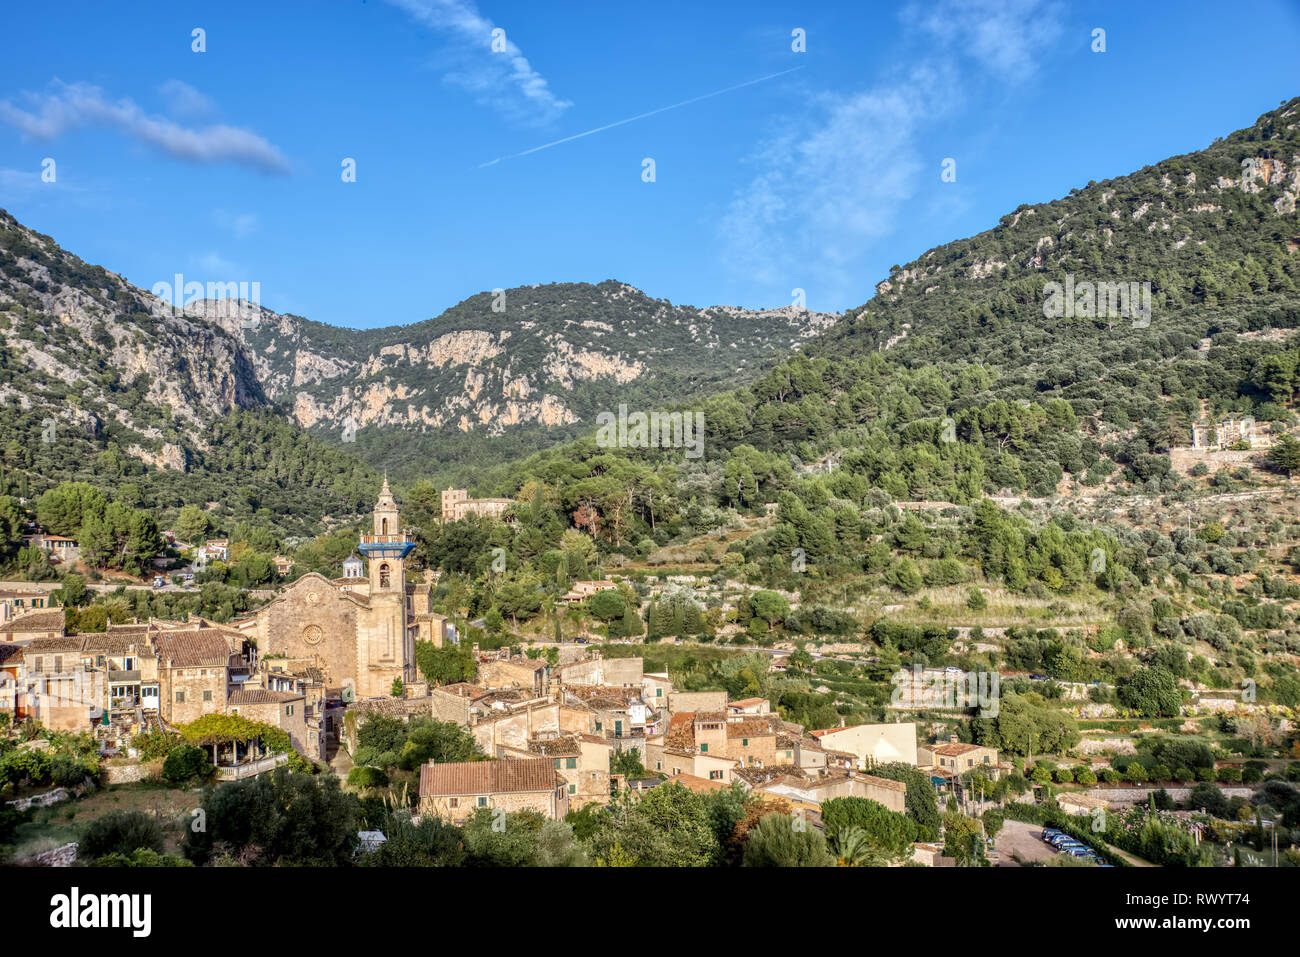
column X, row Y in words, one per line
column 386, row 650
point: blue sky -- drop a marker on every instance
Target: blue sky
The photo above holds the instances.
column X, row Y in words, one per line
column 225, row 165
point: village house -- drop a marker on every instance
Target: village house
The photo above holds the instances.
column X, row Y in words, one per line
column 957, row 758
column 215, row 550
column 126, row 664
column 656, row 689
column 23, row 629
column 285, row 710
column 598, row 671
column 59, row 692
column 16, row 601
column 456, row 504
column 752, row 740
column 530, row 674
column 456, row 790
column 12, row 697
column 747, row 706
column 513, row 725
column 1081, row 804
column 873, row 744
column 811, row 795
column 583, row 760
column 59, row 548
column 194, row 672
column 663, row 759
column 585, row 589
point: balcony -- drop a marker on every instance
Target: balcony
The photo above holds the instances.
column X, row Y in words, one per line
column 124, row 677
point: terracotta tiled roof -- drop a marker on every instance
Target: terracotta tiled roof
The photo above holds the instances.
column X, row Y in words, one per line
column 556, row 747
column 45, row 620
column 188, row 649
column 954, row 750
column 55, row 644
column 681, row 730
column 751, row 727
column 10, row 651
column 487, row 777
column 262, row 696
column 117, row 643
column 745, row 702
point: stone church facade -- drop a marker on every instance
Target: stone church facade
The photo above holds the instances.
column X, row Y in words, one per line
column 359, row 630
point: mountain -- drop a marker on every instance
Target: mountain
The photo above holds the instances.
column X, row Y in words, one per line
column 498, row 375
column 960, row 378
column 505, row 372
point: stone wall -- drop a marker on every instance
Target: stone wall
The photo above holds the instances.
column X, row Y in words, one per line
column 1128, row 796
column 130, row 773
column 323, row 627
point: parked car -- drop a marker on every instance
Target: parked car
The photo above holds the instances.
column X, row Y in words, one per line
column 1049, row 833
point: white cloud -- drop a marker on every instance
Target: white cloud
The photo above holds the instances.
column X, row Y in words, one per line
column 505, row 81
column 72, row 105
column 1006, row 37
column 183, row 100
column 839, row 177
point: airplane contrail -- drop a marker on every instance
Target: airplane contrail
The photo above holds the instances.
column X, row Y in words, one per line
column 639, row 116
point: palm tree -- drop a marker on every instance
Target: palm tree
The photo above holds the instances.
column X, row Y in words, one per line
column 852, row 848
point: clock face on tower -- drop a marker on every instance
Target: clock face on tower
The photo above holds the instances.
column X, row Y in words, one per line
column 312, row 634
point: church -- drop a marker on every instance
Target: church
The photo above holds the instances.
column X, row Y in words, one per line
column 358, row 631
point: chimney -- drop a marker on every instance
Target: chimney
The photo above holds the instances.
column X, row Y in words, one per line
column 841, row 722
column 952, row 739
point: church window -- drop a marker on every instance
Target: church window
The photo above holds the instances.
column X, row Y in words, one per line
column 383, row 527
column 383, row 575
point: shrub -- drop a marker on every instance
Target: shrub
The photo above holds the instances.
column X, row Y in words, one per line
column 362, row 776
column 186, row 762
column 122, row 832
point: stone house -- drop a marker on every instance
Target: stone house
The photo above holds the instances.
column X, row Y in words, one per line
column 957, row 758
column 59, row 691
column 671, row 761
column 583, row 760
column 455, row 790
column 194, row 670
column 19, row 601
column 697, row 701
column 530, row 674
column 456, row 504
column 127, row 663
column 285, row 710
column 812, row 794
column 752, row 740
column 22, row 629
